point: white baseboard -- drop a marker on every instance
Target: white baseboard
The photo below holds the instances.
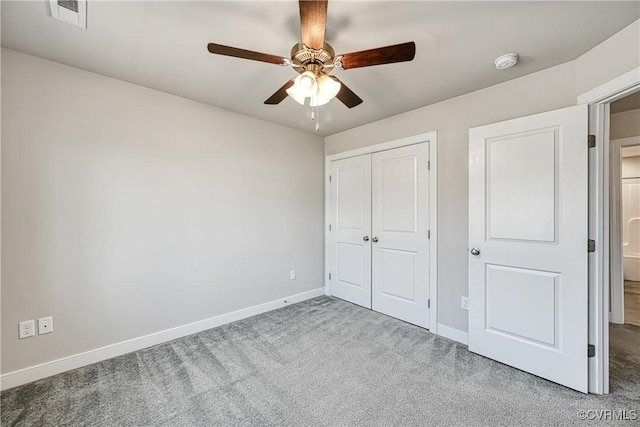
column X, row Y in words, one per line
column 33, row 373
column 453, row 334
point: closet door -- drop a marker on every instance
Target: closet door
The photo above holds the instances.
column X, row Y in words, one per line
column 400, row 241
column 350, row 251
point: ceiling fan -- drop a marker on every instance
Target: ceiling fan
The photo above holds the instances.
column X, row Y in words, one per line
column 315, row 59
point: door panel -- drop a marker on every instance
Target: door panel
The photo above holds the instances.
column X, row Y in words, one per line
column 399, row 274
column 522, row 186
column 528, row 219
column 515, row 295
column 351, row 264
column 350, row 200
column 398, row 194
column 400, row 221
column 350, row 254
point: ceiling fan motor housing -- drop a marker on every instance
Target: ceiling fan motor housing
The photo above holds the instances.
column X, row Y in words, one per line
column 319, row 61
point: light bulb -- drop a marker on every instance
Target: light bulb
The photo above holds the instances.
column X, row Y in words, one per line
column 307, row 83
column 328, row 88
column 304, row 86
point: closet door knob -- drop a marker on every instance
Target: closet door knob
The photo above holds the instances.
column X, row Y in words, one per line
column 475, row 251
column 374, row 240
column 365, row 238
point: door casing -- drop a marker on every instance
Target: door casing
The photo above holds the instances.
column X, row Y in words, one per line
column 432, row 138
column 598, row 100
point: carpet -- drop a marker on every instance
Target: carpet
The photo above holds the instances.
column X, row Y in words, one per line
column 322, row 362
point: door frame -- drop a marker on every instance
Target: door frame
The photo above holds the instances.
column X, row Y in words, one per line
column 617, row 274
column 598, row 100
column 432, row 139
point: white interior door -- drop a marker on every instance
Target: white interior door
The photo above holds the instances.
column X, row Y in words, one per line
column 528, row 244
column 350, row 251
column 400, row 241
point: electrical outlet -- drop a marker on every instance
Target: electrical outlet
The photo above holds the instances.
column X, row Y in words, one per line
column 292, row 275
column 45, row 325
column 465, row 303
column 27, row 329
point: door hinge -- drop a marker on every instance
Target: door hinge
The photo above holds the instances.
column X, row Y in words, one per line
column 428, row 303
column 591, row 245
column 329, row 227
column 591, row 141
column 428, row 165
column 591, row 350
column 428, row 234
column 329, row 276
column 329, row 178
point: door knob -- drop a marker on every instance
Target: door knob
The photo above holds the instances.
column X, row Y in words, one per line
column 374, row 240
column 365, row 238
column 475, row 251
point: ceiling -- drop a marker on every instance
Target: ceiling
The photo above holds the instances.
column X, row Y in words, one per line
column 631, row 102
column 163, row 45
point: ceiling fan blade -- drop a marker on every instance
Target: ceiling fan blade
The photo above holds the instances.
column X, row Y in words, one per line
column 346, row 95
column 313, row 16
column 280, row 94
column 246, row 54
column 382, row 55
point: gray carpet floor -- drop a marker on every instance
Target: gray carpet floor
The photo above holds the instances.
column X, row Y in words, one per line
column 317, row 363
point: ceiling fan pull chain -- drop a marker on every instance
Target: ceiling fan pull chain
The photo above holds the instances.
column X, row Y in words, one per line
column 318, row 118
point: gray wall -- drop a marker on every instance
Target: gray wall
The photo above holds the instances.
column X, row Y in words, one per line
column 452, row 119
column 127, row 211
column 549, row 89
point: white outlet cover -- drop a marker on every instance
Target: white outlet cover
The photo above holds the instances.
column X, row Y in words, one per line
column 292, row 275
column 27, row 329
column 465, row 303
column 45, row 325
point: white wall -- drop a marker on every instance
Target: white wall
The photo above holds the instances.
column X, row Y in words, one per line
column 549, row 89
column 127, row 211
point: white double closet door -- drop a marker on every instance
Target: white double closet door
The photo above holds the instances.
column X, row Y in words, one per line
column 379, row 238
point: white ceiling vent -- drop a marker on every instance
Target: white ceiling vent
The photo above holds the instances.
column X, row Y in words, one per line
column 72, row 12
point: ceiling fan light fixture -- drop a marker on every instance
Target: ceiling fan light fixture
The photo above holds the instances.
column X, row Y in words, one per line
column 328, row 88
column 304, row 86
column 295, row 94
column 307, row 84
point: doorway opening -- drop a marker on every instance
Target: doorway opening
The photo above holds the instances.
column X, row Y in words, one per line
column 624, row 264
column 600, row 100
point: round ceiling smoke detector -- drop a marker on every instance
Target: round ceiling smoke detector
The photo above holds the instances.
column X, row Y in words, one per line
column 507, row 60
